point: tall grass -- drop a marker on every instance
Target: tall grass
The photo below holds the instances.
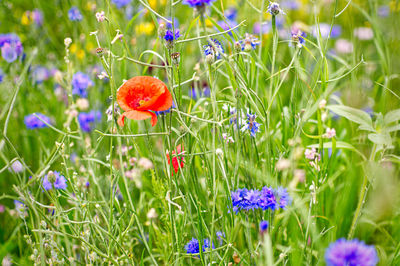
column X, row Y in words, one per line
column 116, row 210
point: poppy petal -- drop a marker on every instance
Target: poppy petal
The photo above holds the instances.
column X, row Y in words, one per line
column 138, row 115
column 138, row 93
column 164, row 102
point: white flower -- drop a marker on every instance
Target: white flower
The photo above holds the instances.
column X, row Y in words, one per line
column 330, row 133
column 145, row 163
column 102, row 75
column 322, row 104
column 67, row 41
column 100, row 16
column 219, row 152
column 152, row 214
column 282, row 164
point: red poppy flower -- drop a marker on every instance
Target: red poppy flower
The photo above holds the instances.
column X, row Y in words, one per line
column 177, row 160
column 140, row 95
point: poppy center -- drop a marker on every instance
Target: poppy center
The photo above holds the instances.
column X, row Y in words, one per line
column 137, row 102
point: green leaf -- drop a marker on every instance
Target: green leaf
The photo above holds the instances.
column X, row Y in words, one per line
column 392, row 116
column 393, row 128
column 358, row 116
column 380, row 139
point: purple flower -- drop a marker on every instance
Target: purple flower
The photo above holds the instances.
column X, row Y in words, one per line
column 350, row 253
column 207, row 244
column 298, row 37
column 384, row 11
column 74, row 14
column 274, row 9
column 267, row 199
column 1, row 75
column 11, row 47
column 80, row 83
column 283, row 197
column 227, row 25
column 40, row 74
column 37, row 17
column 290, row 4
column 249, row 42
column 121, row 3
column 215, row 49
column 194, row 94
column 231, row 13
column 60, row 182
column 166, row 111
column 19, row 206
column 325, row 30
column 251, row 125
column 197, row 3
column 86, row 120
column 220, row 236
column 32, row 121
column 192, row 247
column 170, row 37
column 263, row 226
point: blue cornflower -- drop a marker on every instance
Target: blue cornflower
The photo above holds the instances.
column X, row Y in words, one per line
column 249, row 42
column 383, row 11
column 267, row 199
column 215, row 49
column 325, row 30
column 121, row 3
column 263, row 226
column 74, row 14
column 244, row 199
column 11, row 47
column 80, row 83
column 197, row 3
column 252, row 198
column 166, row 111
column 33, row 122
column 20, row 207
column 60, row 182
column 220, row 236
column 192, row 247
column 37, row 17
column 194, row 94
column 350, row 253
column 231, row 13
column 290, row 4
column 207, row 244
column 283, row 197
column 252, row 125
column 298, row 37
column 87, row 119
column 170, row 37
column 40, row 74
column 274, row 9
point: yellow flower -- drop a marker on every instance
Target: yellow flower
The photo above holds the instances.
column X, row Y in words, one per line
column 146, row 28
column 80, row 54
column 26, row 18
column 73, row 48
column 155, row 3
column 394, row 6
column 209, row 23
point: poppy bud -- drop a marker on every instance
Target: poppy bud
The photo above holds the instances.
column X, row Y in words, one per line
column 210, row 59
column 51, row 177
column 237, row 47
column 176, row 58
column 100, row 52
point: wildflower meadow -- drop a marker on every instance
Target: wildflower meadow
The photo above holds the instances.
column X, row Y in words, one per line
column 200, row 132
